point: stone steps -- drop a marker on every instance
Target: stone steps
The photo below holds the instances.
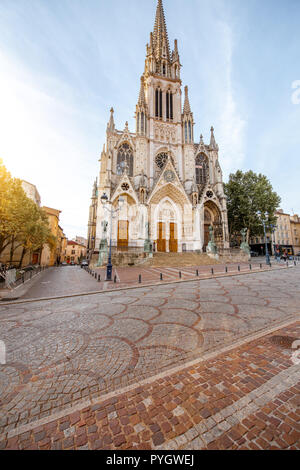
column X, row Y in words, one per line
column 180, row 259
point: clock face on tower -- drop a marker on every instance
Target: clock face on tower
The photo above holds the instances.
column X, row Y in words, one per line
column 169, row 176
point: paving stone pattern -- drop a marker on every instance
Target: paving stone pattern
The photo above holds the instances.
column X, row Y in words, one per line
column 70, row 280
column 245, row 399
column 61, row 352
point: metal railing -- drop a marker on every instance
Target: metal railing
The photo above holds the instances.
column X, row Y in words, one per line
column 22, row 275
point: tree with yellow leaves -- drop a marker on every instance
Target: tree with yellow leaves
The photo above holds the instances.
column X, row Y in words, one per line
column 22, row 222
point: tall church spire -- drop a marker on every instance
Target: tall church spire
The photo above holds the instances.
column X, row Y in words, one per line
column 186, row 106
column 160, row 35
column 187, row 119
column 141, row 110
column 111, row 123
column 213, row 145
column 142, row 100
column 159, row 59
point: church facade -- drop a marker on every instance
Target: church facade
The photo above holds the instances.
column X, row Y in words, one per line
column 172, row 186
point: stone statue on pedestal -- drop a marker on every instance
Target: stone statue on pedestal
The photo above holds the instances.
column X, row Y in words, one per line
column 148, row 244
column 211, row 247
column 244, row 245
column 103, row 248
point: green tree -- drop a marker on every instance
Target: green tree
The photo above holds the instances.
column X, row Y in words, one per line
column 35, row 231
column 22, row 222
column 247, row 194
column 12, row 202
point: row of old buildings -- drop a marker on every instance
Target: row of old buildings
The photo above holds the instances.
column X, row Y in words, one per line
column 69, row 251
column 285, row 235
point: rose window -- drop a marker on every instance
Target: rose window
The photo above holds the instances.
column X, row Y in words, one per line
column 161, row 159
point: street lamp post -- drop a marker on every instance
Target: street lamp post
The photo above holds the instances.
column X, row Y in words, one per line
column 262, row 218
column 113, row 212
column 273, row 229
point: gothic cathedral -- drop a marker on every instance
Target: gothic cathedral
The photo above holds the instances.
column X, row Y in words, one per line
column 171, row 186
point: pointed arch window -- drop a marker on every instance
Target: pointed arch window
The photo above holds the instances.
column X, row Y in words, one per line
column 201, row 169
column 169, row 105
column 190, row 131
column 185, row 131
column 125, row 156
column 158, row 103
column 142, row 123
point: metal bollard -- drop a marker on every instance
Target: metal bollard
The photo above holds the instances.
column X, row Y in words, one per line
column 95, row 275
column 287, row 264
column 161, row 276
column 260, row 265
column 239, row 268
column 212, row 271
column 226, row 269
column 99, row 278
column 295, row 263
column 23, row 278
column 115, row 279
column 250, row 267
column 197, row 272
column 179, row 274
column 140, row 279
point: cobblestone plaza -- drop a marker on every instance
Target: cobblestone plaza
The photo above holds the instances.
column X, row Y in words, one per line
column 63, row 354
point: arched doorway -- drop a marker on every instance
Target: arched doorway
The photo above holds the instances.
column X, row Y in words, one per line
column 212, row 216
column 207, row 223
column 123, row 226
column 124, row 222
column 167, row 228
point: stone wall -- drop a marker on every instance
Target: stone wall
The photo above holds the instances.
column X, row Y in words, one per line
column 232, row 255
column 122, row 258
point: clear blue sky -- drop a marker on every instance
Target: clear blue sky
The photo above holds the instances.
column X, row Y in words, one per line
column 64, row 63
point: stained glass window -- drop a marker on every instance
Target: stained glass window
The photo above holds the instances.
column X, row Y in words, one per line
column 201, row 167
column 161, row 159
column 125, row 154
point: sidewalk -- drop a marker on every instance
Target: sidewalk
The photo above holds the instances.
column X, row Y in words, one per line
column 245, row 398
column 129, row 277
column 20, row 290
column 64, row 282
